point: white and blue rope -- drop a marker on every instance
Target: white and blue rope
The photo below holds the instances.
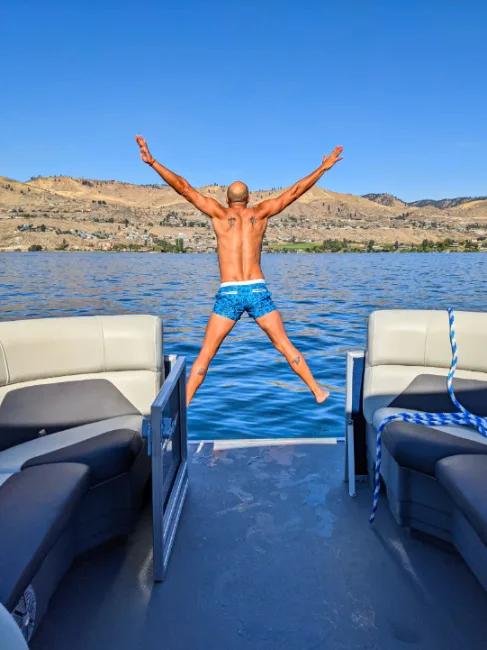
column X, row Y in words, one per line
column 464, row 417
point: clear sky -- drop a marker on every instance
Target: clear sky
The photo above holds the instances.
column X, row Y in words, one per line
column 256, row 90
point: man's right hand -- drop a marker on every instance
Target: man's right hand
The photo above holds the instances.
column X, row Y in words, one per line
column 145, row 154
column 334, row 157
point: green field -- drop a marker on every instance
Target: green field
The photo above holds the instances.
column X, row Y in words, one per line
column 295, row 247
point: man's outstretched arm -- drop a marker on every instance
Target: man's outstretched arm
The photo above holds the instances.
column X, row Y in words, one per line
column 204, row 203
column 271, row 207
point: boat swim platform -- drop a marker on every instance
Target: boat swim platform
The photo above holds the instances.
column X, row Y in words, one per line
column 271, row 554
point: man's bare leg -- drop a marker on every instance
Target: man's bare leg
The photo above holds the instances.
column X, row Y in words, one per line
column 274, row 328
column 217, row 329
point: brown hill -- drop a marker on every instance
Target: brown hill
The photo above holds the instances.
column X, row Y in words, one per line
column 386, row 199
column 86, row 214
column 444, row 204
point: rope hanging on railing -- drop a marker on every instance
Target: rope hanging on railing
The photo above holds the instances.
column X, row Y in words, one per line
column 464, row 417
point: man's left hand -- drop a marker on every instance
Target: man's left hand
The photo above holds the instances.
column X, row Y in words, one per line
column 333, row 158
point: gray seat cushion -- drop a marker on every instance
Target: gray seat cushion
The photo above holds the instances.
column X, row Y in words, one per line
column 107, row 455
column 453, row 429
column 429, row 393
column 35, row 507
column 24, row 412
column 419, row 447
column 108, row 448
column 465, row 479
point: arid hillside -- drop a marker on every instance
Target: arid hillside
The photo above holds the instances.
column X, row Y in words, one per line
column 63, row 213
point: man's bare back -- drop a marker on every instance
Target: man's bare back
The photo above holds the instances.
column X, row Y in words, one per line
column 240, row 232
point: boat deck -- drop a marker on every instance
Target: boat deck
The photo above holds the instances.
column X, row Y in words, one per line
column 271, row 553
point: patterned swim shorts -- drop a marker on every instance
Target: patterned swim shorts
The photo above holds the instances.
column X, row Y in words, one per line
column 252, row 296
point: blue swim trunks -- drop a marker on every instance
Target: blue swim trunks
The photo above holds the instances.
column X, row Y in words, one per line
column 252, row 296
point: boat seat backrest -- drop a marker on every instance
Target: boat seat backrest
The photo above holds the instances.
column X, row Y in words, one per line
column 126, row 351
column 404, row 344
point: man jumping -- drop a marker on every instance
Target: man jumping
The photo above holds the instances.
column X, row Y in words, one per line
column 239, row 231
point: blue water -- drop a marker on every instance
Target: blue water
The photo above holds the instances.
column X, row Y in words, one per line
column 249, row 391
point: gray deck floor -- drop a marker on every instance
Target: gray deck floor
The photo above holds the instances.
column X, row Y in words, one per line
column 271, row 554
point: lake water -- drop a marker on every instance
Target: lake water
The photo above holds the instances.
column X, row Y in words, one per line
column 250, row 390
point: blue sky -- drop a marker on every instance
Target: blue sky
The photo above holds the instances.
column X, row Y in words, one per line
column 257, row 90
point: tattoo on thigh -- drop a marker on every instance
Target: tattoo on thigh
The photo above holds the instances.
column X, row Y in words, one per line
column 232, row 221
column 296, row 360
column 201, row 372
column 253, row 221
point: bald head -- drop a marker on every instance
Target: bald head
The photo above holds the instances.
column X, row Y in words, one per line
column 238, row 193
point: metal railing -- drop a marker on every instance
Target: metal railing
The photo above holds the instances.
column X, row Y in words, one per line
column 168, row 437
column 353, row 408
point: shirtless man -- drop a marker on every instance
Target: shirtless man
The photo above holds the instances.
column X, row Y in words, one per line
column 239, row 231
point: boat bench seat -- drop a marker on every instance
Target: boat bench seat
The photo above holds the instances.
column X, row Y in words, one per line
column 74, row 397
column 32, row 526
column 425, row 468
column 464, row 478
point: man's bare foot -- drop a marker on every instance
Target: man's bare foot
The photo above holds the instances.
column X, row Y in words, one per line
column 321, row 396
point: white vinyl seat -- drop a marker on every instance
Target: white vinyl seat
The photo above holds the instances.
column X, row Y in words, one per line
column 74, row 397
column 10, row 634
column 434, row 474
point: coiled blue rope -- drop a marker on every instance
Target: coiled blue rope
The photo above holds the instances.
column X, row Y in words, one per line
column 464, row 417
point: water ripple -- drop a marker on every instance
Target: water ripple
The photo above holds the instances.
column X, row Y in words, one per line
column 250, row 391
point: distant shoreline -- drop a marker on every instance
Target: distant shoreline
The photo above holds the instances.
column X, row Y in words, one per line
column 64, row 213
column 296, row 251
